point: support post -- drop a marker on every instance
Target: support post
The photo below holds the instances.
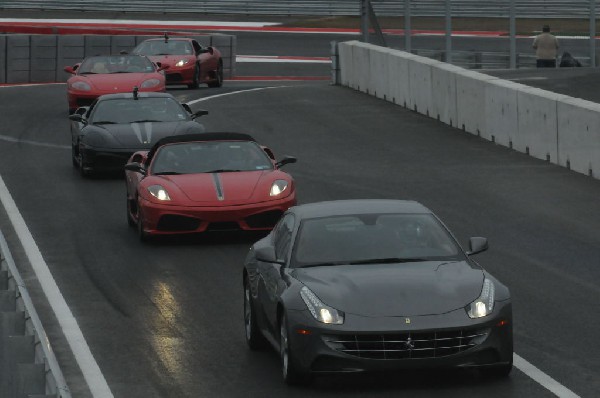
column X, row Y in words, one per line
column 592, row 33
column 364, row 20
column 407, row 29
column 513, row 35
column 448, row 32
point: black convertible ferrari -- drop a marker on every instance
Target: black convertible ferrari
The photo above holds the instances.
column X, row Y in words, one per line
column 105, row 134
column 373, row 285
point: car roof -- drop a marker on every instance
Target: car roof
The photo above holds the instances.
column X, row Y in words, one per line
column 130, row 95
column 358, row 206
column 198, row 137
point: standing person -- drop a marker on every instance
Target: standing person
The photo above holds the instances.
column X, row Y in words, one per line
column 546, row 46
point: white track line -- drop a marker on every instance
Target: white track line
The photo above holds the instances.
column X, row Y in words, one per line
column 232, row 93
column 139, row 22
column 90, row 369
column 542, row 378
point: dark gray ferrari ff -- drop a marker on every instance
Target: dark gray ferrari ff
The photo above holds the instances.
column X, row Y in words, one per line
column 373, row 285
column 106, row 134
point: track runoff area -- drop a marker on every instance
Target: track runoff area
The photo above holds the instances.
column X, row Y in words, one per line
column 90, row 369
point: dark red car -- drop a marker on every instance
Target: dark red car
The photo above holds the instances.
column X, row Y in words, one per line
column 188, row 62
column 111, row 74
column 205, row 182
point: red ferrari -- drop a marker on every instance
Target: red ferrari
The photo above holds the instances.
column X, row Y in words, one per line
column 206, row 182
column 111, row 74
column 188, row 62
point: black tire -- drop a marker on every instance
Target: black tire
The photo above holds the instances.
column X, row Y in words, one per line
column 196, row 80
column 496, row 372
column 218, row 82
column 85, row 172
column 130, row 221
column 74, row 156
column 143, row 235
column 254, row 337
column 291, row 374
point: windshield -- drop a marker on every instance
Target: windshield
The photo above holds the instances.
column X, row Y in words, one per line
column 210, row 157
column 144, row 109
column 373, row 239
column 116, row 64
column 160, row 47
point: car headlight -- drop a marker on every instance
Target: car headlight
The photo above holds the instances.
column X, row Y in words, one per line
column 81, row 86
column 150, row 83
column 159, row 192
column 182, row 62
column 320, row 311
column 278, row 187
column 484, row 305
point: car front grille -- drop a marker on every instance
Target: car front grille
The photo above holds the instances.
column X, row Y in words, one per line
column 173, row 77
column 407, row 345
column 223, row 226
column 268, row 219
column 174, row 222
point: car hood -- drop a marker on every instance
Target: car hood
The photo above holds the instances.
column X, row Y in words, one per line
column 218, row 188
column 405, row 289
column 118, row 82
column 140, row 135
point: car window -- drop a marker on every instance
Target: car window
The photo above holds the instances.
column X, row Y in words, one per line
column 282, row 237
column 210, row 157
column 116, row 64
column 358, row 238
column 144, row 109
column 161, row 47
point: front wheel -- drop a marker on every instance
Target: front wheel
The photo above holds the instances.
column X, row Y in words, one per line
column 218, row 81
column 143, row 235
column 254, row 337
column 291, row 374
column 130, row 220
column 196, row 80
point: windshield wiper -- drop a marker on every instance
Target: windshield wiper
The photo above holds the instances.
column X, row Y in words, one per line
column 328, row 264
column 222, row 171
column 167, row 173
column 104, row 122
column 388, row 260
column 87, row 73
column 146, row 121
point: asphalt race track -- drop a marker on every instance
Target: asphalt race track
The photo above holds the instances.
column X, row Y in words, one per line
column 165, row 319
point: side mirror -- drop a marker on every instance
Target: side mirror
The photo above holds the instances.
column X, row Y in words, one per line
column 286, row 160
column 76, row 117
column 199, row 113
column 137, row 167
column 69, row 69
column 267, row 254
column 210, row 50
column 477, row 245
column 123, row 52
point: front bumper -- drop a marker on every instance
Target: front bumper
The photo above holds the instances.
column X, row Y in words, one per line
column 363, row 344
column 106, row 159
column 168, row 219
column 180, row 75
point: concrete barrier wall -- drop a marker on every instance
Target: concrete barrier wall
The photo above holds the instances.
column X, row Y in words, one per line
column 501, row 111
column 579, row 135
column 42, row 58
column 549, row 126
column 537, row 134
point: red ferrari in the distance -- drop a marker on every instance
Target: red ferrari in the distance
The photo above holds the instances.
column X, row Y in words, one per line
column 188, row 62
column 206, row 182
column 111, row 74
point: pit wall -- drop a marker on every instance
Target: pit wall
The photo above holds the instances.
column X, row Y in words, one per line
column 42, row 58
column 553, row 127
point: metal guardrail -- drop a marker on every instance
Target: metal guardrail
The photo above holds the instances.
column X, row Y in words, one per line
column 55, row 381
column 459, row 8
